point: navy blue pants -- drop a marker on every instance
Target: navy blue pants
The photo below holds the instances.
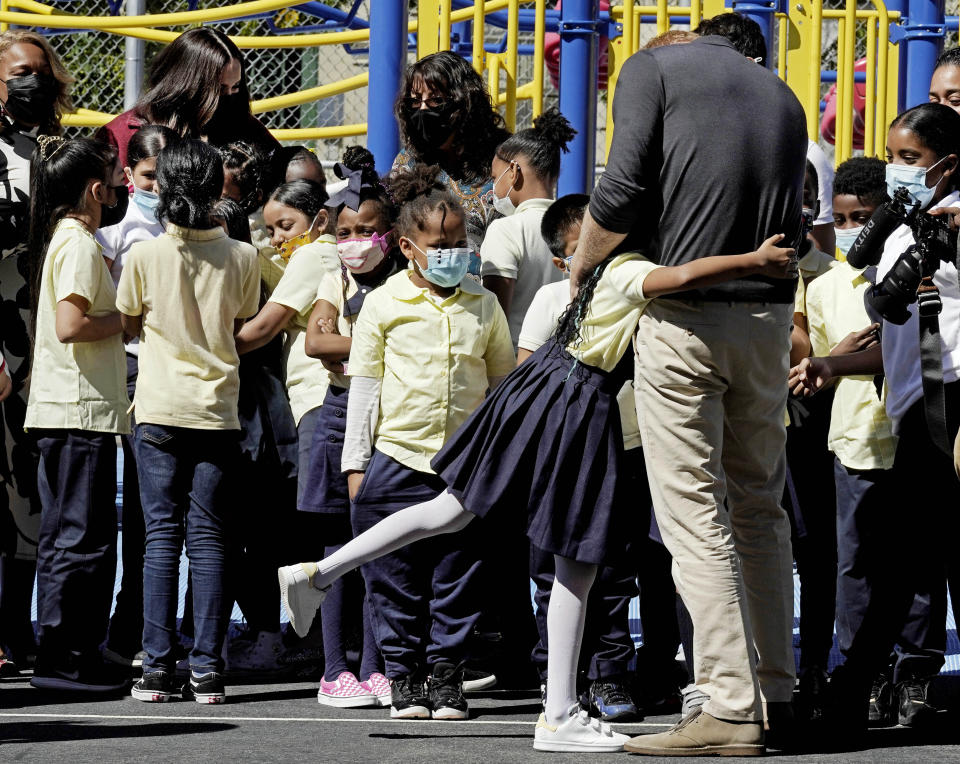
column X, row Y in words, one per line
column 305, row 430
column 126, row 623
column 77, row 553
column 185, row 497
column 904, row 550
column 423, row 597
column 869, row 521
column 810, row 501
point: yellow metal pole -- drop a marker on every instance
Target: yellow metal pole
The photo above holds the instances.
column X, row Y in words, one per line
column 444, row 31
column 663, row 17
column 510, row 63
column 4, row 7
column 493, row 76
column 696, row 13
column 539, row 31
column 870, row 111
column 813, row 73
column 782, row 33
column 850, row 56
column 626, row 49
column 428, row 27
column 883, row 80
column 840, row 126
column 478, row 35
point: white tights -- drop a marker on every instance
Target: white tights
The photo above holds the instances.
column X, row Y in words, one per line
column 445, row 514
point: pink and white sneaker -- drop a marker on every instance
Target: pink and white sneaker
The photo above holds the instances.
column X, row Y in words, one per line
column 379, row 686
column 345, row 692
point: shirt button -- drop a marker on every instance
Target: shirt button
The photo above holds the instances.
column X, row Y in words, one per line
column 443, row 373
column 338, row 413
column 331, row 437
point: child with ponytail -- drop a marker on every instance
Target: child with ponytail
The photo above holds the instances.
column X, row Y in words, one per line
column 367, row 248
column 516, row 259
column 549, row 438
column 77, row 406
column 186, row 294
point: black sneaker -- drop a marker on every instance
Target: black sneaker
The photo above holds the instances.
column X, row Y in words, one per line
column 154, row 687
column 475, row 680
column 612, row 702
column 446, row 692
column 881, row 712
column 92, row 676
column 913, row 708
column 205, row 689
column 407, row 699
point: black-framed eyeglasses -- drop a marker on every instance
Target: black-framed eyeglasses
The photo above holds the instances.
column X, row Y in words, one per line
column 431, row 102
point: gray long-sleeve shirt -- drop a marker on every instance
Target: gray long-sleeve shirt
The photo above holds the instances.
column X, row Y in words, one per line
column 707, row 158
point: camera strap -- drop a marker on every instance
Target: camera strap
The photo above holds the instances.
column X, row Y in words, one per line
column 929, row 307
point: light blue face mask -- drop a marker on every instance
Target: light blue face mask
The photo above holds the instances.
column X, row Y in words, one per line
column 914, row 179
column 446, row 267
column 147, row 201
column 845, row 238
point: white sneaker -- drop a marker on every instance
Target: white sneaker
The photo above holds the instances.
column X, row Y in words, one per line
column 260, row 654
column 578, row 733
column 300, row 599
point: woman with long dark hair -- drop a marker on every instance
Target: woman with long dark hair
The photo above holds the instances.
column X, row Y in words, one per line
column 197, row 87
column 34, row 93
column 446, row 119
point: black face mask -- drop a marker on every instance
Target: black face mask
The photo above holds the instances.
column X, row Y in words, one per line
column 430, row 128
column 228, row 119
column 113, row 215
column 30, row 97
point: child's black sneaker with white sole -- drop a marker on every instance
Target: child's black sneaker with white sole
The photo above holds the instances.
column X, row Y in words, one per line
column 155, row 687
column 407, row 699
column 445, row 689
column 204, row 689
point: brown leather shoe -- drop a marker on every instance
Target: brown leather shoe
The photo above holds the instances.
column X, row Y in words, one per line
column 700, row 734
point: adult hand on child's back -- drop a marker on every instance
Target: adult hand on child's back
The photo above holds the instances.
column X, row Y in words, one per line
column 857, row 341
column 777, row 262
column 354, row 479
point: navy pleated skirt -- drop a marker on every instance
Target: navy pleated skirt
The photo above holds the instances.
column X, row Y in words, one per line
column 326, row 486
column 548, row 437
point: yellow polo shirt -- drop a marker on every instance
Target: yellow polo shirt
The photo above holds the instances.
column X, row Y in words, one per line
column 76, row 385
column 861, row 434
column 809, row 267
column 189, row 285
column 611, row 321
column 307, row 379
column 434, row 357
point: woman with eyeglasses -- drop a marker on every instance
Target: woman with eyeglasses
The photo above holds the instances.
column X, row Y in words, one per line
column 446, row 119
column 198, row 88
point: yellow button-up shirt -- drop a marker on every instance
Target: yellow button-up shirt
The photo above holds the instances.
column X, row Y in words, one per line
column 76, row 385
column 861, row 434
column 434, row 357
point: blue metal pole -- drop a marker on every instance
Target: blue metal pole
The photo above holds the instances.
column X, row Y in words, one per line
column 578, row 92
column 923, row 37
column 388, row 57
column 901, row 7
column 763, row 13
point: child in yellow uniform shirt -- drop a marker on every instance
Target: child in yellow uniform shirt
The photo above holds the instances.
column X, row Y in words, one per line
column 549, row 439
column 77, row 405
column 186, row 294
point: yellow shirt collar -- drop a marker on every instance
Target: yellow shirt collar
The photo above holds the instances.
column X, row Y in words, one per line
column 401, row 287
column 196, row 234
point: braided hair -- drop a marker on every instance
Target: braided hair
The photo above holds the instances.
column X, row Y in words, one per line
column 568, row 327
column 419, row 191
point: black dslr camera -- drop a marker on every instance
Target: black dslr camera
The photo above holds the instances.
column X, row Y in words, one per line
column 903, row 285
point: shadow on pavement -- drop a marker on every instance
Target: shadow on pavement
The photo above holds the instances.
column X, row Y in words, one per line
column 52, row 731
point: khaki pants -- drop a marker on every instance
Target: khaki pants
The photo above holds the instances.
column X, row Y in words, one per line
column 711, row 393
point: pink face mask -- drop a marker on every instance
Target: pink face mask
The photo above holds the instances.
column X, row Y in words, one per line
column 363, row 255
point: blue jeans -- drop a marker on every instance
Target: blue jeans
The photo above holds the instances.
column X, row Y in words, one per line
column 184, row 496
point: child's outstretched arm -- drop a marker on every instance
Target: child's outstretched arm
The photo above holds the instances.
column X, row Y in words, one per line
column 769, row 260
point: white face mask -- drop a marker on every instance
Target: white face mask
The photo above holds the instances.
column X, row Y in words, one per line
column 503, row 204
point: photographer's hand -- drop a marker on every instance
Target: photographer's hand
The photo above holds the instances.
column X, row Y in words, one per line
column 952, row 213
